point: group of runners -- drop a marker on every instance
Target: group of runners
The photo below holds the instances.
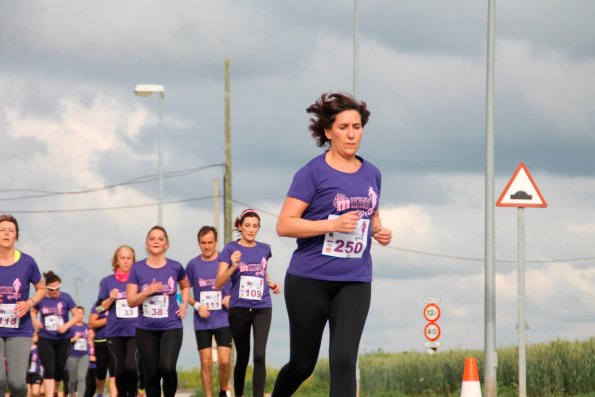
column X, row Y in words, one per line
column 135, row 326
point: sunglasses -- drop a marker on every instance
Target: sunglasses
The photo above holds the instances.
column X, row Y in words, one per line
column 56, row 288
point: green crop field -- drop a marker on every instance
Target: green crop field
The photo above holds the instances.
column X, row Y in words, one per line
column 559, row 368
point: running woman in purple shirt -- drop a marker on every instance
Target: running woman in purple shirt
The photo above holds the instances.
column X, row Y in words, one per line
column 54, row 337
column 17, row 272
column 332, row 210
column 152, row 287
column 77, row 363
column 121, row 322
column 210, row 317
column 245, row 262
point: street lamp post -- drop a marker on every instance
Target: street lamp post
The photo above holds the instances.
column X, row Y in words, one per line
column 148, row 90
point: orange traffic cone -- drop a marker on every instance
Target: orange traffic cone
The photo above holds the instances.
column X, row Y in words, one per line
column 471, row 386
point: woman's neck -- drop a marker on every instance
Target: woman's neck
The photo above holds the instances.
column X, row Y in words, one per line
column 7, row 256
column 342, row 163
column 245, row 243
column 156, row 261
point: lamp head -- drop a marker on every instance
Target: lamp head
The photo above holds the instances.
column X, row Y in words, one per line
column 149, row 89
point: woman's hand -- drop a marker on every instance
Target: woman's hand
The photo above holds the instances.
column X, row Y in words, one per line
column 113, row 294
column 235, row 259
column 225, row 301
column 181, row 312
column 347, row 222
column 275, row 287
column 154, row 287
column 23, row 307
column 382, row 235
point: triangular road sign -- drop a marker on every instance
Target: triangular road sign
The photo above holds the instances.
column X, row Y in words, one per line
column 521, row 191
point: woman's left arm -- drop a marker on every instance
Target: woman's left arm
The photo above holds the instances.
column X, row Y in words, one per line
column 73, row 320
column 185, row 291
column 379, row 232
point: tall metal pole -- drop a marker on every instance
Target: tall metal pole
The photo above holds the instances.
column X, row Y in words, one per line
column 160, row 166
column 227, row 178
column 491, row 357
column 356, row 49
column 521, row 298
column 355, row 95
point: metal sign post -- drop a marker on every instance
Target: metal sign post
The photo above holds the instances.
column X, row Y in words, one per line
column 521, row 192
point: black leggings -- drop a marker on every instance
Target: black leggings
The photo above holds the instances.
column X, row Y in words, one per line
column 159, row 352
column 123, row 359
column 91, row 386
column 310, row 304
column 53, row 354
column 240, row 321
column 102, row 359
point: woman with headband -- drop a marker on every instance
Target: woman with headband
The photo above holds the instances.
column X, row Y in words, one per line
column 245, row 262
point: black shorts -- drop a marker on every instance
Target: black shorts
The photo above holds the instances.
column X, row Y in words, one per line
column 33, row 378
column 204, row 338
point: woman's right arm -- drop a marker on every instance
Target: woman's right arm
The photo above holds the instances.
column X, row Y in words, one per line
column 96, row 322
column 291, row 223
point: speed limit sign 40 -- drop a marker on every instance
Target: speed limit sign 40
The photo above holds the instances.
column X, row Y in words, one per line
column 432, row 332
column 432, row 312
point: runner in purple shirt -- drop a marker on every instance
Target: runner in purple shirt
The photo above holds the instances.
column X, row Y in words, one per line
column 54, row 337
column 332, row 210
column 78, row 357
column 121, row 322
column 245, row 262
column 211, row 316
column 152, row 287
column 17, row 272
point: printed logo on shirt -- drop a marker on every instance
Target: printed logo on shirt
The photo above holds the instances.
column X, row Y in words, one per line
column 12, row 291
column 53, row 310
column 259, row 269
column 206, row 282
column 365, row 205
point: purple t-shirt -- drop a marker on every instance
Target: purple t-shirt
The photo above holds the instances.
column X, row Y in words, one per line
column 99, row 332
column 329, row 192
column 202, row 275
column 121, row 319
column 158, row 312
column 79, row 348
column 15, row 283
column 55, row 312
column 248, row 282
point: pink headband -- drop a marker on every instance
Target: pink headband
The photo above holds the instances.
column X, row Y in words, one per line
column 248, row 210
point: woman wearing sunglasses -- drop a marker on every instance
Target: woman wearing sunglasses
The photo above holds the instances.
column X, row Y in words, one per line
column 17, row 272
column 55, row 330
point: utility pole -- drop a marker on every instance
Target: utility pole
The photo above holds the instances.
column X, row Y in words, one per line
column 216, row 205
column 491, row 356
column 227, row 221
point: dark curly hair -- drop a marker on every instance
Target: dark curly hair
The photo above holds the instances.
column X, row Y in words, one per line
column 11, row 219
column 325, row 110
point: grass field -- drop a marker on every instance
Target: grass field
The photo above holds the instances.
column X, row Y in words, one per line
column 560, row 368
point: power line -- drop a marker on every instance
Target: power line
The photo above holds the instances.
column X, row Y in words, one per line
column 134, row 181
column 94, row 209
column 260, row 210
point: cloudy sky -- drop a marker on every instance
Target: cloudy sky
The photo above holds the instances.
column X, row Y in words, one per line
column 79, row 149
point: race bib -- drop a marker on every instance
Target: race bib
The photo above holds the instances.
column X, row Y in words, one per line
column 81, row 344
column 125, row 311
column 8, row 317
column 347, row 245
column 251, row 288
column 156, row 306
column 53, row 322
column 211, row 299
